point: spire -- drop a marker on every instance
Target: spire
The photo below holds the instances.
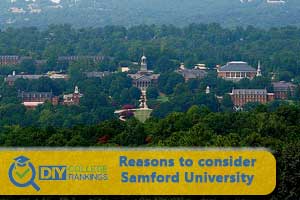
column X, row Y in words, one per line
column 14, row 73
column 207, row 91
column 76, row 90
column 144, row 63
column 258, row 70
column 182, row 67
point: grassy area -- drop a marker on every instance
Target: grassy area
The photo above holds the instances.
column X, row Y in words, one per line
column 142, row 115
column 163, row 98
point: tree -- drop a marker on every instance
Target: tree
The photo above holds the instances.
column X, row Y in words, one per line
column 226, row 104
column 289, row 163
column 168, row 81
column 134, row 93
column 28, row 65
column 152, row 93
column 56, row 140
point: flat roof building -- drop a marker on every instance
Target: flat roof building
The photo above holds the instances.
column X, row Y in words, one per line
column 33, row 99
column 240, row 97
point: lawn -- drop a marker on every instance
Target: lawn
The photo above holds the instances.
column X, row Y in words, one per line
column 142, row 115
column 163, row 98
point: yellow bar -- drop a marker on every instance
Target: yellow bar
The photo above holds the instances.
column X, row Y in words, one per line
column 140, row 171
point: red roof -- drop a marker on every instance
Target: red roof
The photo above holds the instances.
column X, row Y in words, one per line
column 128, row 106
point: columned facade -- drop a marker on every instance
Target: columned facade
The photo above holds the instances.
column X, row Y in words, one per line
column 237, row 70
column 144, row 78
column 143, row 84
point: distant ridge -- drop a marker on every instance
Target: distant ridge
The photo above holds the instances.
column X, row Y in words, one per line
column 82, row 13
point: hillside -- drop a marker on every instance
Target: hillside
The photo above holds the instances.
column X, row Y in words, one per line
column 81, row 13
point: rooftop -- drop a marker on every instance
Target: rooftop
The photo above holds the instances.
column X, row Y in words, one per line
column 139, row 76
column 249, row 91
column 192, row 73
column 32, row 104
column 9, row 56
column 35, row 94
column 237, row 66
column 30, row 77
column 96, row 74
column 282, row 85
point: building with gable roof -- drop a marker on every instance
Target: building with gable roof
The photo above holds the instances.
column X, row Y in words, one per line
column 238, row 70
column 72, row 99
column 144, row 78
column 283, row 90
column 188, row 74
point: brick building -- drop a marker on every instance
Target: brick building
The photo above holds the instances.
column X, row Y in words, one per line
column 33, row 99
column 283, row 90
column 95, row 59
column 9, row 60
column 72, row 99
column 237, row 70
column 240, row 97
column 65, row 60
column 12, row 59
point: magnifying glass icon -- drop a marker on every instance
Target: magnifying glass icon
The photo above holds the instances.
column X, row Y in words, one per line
column 28, row 183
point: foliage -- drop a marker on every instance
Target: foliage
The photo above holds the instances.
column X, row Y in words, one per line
column 198, row 127
column 165, row 47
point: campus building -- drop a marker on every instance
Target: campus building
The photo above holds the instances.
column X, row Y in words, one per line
column 188, row 74
column 240, row 97
column 9, row 60
column 33, row 99
column 64, row 61
column 72, row 99
column 238, row 70
column 57, row 75
column 96, row 74
column 144, row 78
column 12, row 59
column 95, row 59
column 283, row 90
column 11, row 78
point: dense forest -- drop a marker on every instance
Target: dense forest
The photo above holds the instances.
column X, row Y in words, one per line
column 91, row 13
column 277, row 129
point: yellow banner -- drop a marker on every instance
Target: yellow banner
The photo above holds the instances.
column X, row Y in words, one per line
column 137, row 172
